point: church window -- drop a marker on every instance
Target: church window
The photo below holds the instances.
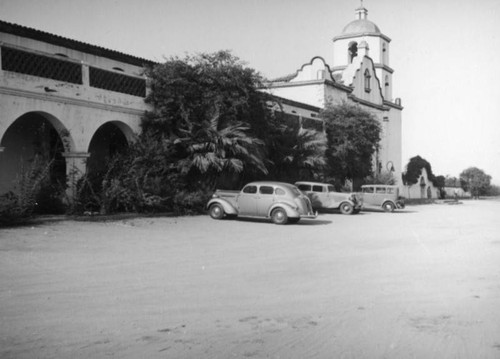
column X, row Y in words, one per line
column 367, row 81
column 353, row 51
column 386, row 84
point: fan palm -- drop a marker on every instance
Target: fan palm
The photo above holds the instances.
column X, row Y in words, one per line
column 213, row 150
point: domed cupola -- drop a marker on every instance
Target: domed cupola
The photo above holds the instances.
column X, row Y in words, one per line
column 356, row 38
column 361, row 25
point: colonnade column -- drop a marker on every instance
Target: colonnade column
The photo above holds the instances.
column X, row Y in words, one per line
column 76, row 167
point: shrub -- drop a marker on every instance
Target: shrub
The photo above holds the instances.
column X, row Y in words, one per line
column 190, row 202
column 18, row 206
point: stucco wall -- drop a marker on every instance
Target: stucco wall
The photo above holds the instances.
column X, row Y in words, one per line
column 310, row 93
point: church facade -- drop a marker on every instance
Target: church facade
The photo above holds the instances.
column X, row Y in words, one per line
column 359, row 74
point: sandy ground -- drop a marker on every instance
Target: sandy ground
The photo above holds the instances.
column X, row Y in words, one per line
column 421, row 283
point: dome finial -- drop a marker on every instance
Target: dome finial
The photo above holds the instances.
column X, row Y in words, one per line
column 361, row 12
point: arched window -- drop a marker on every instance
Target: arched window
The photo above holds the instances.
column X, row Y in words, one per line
column 353, row 51
column 367, row 81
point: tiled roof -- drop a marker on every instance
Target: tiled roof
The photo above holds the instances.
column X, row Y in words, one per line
column 57, row 40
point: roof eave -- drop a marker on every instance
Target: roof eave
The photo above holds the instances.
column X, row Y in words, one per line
column 27, row 32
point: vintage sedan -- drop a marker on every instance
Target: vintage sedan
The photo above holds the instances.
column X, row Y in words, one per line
column 382, row 196
column 279, row 201
column 324, row 196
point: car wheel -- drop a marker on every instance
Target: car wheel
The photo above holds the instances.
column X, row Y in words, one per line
column 346, row 208
column 216, row 211
column 388, row 207
column 278, row 216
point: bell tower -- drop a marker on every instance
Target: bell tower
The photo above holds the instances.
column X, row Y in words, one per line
column 362, row 33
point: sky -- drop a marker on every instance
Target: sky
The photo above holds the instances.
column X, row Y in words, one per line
column 444, row 54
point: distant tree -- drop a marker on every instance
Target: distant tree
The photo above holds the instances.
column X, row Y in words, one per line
column 439, row 183
column 353, row 136
column 414, row 171
column 451, row 181
column 493, row 190
column 476, row 181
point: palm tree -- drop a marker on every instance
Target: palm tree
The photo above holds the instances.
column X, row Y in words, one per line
column 212, row 151
column 299, row 155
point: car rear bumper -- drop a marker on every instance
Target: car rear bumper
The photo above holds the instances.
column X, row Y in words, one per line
column 309, row 215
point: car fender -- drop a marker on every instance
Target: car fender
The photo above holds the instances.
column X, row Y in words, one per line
column 346, row 201
column 390, row 201
column 228, row 207
column 290, row 212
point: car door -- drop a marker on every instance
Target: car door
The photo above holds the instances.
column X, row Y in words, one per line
column 266, row 200
column 319, row 196
column 247, row 201
column 334, row 197
column 369, row 197
column 380, row 195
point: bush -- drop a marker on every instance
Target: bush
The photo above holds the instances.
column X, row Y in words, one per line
column 18, row 206
column 189, row 203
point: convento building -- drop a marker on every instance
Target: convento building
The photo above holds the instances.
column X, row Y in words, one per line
column 80, row 103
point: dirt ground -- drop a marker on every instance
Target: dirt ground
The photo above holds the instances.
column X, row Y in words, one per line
column 420, row 283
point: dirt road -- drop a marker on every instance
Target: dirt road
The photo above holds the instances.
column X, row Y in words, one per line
column 422, row 283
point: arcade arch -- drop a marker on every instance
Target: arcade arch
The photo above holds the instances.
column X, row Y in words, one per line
column 109, row 139
column 35, row 141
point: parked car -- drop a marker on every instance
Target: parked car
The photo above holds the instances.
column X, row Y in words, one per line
column 382, row 196
column 324, row 196
column 281, row 202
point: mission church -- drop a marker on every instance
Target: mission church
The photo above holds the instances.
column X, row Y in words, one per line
column 81, row 103
column 359, row 74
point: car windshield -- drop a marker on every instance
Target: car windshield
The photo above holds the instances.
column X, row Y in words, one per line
column 331, row 189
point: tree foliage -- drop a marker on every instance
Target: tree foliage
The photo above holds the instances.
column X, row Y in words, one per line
column 353, row 136
column 475, row 180
column 450, row 181
column 414, row 171
column 384, row 177
column 296, row 153
column 493, row 190
column 209, row 107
